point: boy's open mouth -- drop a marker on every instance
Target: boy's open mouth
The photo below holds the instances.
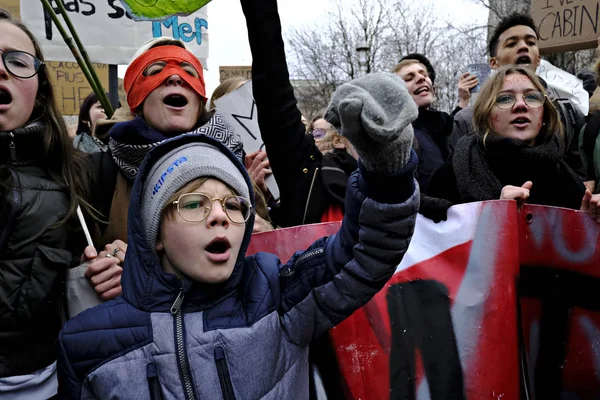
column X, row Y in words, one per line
column 5, row 97
column 219, row 245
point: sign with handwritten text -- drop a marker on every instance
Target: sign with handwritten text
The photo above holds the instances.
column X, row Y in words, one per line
column 566, row 25
column 226, row 72
column 563, row 85
column 70, row 85
column 109, row 33
column 12, row 6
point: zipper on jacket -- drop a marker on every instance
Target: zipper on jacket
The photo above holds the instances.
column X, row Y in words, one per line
column 16, row 203
column 289, row 271
column 153, row 382
column 312, row 183
column 13, row 147
column 182, row 361
column 223, row 371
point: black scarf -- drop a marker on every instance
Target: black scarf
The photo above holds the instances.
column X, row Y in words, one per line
column 130, row 141
column 482, row 171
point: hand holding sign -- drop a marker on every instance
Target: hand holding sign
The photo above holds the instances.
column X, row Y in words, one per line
column 149, row 10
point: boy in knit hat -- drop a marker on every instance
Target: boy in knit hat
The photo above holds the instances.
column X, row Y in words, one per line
column 199, row 319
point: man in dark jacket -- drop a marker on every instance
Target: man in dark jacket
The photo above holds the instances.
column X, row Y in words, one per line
column 515, row 41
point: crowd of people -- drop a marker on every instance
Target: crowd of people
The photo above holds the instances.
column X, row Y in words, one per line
column 171, row 201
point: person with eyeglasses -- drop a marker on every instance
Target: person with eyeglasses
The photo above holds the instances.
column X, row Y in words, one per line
column 42, row 181
column 166, row 96
column 514, row 41
column 516, row 152
column 200, row 320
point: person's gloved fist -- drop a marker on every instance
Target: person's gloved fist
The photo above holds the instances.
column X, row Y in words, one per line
column 434, row 208
column 375, row 113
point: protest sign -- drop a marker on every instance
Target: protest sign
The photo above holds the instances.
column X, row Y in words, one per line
column 108, row 32
column 12, row 6
column 147, row 10
column 479, row 301
column 563, row 85
column 240, row 110
column 566, row 25
column 232, row 72
column 70, row 85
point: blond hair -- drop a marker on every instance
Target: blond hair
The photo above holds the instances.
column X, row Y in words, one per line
column 486, row 101
column 406, row 63
column 333, row 140
column 226, row 87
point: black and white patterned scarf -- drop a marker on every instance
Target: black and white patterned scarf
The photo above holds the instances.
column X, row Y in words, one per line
column 130, row 141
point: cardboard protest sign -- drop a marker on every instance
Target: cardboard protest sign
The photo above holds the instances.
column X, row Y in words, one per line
column 12, row 6
column 239, row 108
column 232, row 71
column 109, row 33
column 566, row 25
column 479, row 301
column 147, row 10
column 70, row 85
column 563, row 85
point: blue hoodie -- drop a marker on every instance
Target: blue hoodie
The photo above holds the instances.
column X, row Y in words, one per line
column 248, row 337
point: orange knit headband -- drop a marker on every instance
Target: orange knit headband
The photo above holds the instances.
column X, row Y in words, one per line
column 138, row 86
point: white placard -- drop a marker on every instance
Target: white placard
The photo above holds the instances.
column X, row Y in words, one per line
column 239, row 108
column 563, row 85
column 109, row 35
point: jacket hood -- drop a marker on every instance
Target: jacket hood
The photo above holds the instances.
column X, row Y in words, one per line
column 145, row 284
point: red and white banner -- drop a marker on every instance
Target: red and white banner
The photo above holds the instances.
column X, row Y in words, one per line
column 490, row 304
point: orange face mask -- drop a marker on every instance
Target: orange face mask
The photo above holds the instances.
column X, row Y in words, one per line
column 138, row 86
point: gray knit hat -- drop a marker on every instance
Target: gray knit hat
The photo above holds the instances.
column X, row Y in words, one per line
column 174, row 170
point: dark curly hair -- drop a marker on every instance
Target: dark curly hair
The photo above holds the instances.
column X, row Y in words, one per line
column 505, row 24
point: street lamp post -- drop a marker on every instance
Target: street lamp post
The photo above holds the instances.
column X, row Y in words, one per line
column 362, row 48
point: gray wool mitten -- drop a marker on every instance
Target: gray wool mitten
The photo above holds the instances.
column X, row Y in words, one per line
column 375, row 113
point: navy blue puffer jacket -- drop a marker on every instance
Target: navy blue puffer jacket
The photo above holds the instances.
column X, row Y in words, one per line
column 248, row 337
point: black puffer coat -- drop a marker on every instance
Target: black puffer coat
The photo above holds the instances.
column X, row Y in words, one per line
column 33, row 259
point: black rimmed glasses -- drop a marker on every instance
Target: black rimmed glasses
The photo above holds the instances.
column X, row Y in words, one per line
column 506, row 101
column 196, row 207
column 20, row 63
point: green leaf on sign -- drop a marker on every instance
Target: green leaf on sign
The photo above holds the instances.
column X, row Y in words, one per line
column 154, row 10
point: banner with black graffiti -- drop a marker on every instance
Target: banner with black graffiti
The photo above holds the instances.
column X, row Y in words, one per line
column 490, row 304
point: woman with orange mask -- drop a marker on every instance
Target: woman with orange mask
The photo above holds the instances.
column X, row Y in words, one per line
column 166, row 95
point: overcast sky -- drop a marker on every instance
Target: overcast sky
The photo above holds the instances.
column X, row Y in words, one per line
column 229, row 41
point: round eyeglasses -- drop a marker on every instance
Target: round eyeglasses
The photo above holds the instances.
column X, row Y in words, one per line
column 196, row 207
column 318, row 133
column 533, row 100
column 20, row 63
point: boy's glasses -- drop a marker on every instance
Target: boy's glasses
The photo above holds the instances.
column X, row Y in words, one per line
column 20, row 63
column 196, row 207
column 533, row 100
